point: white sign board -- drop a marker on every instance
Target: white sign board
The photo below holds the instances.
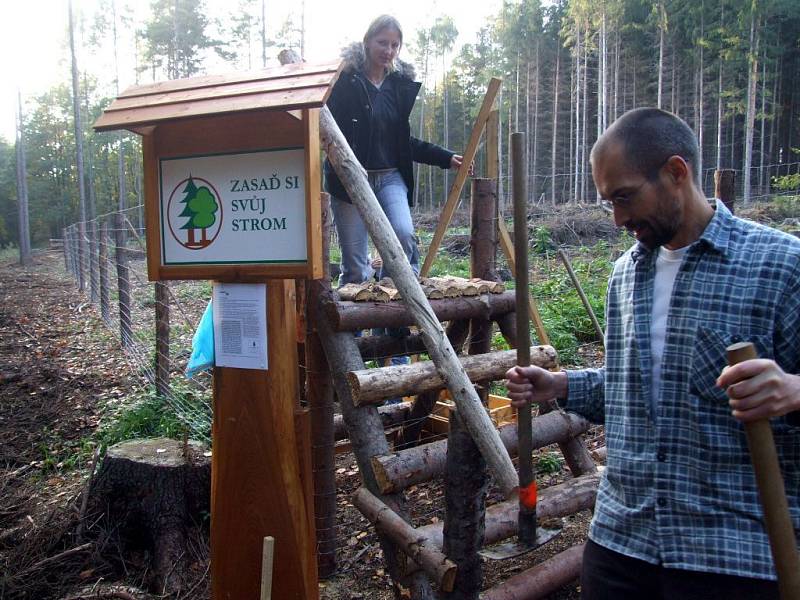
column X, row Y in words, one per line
column 240, row 325
column 233, row 208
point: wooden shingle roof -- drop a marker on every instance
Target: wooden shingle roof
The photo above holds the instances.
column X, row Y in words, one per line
column 288, row 87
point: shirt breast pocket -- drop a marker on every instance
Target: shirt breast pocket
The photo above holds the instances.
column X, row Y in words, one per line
column 709, row 358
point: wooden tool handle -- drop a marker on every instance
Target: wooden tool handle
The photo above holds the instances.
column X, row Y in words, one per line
column 771, row 491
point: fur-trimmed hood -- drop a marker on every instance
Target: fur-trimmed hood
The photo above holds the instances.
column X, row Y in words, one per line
column 355, row 58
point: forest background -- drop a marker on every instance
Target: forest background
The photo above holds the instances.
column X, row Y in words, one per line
column 730, row 68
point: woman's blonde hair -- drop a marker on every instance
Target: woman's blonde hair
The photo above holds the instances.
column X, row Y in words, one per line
column 378, row 25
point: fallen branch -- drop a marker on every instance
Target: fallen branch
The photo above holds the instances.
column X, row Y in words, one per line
column 56, row 558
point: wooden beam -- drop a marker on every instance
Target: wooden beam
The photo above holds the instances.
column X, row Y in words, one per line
column 455, row 191
column 402, row 469
column 433, row 562
column 354, row 316
column 533, row 310
column 372, row 386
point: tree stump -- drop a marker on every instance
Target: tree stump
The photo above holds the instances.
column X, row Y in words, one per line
column 153, row 494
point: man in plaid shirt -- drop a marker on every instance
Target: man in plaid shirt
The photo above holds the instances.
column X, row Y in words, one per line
column 677, row 513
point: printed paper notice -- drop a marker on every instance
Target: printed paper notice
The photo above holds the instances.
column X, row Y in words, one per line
column 240, row 325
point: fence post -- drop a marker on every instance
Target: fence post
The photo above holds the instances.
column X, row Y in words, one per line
column 94, row 284
column 123, row 282
column 724, row 180
column 81, row 255
column 162, row 338
column 73, row 250
column 102, row 260
column 65, row 248
column 319, row 394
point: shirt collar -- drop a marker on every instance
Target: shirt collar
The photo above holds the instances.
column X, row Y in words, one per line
column 716, row 234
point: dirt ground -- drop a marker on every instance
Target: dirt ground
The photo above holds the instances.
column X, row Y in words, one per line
column 60, row 372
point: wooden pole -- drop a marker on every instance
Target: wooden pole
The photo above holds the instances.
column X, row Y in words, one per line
column 582, row 295
column 94, row 276
column 354, row 316
column 436, row 565
column 372, row 386
column 412, row 466
column 123, row 282
column 533, row 310
column 162, row 338
column 441, row 352
column 105, row 302
column 771, row 491
column 519, row 190
column 455, row 191
column 465, row 484
column 724, row 187
column 492, row 150
column 319, row 394
column 267, row 553
column 81, row 255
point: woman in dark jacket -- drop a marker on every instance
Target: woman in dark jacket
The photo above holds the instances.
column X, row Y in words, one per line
column 371, row 102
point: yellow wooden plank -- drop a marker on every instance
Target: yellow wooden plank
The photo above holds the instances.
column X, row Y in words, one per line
column 455, row 191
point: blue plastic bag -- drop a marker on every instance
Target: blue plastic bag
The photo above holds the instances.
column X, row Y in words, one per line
column 202, row 357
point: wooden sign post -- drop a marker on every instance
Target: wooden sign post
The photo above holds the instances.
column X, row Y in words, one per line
column 232, row 194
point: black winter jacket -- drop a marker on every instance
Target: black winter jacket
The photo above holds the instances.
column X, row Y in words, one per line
column 350, row 106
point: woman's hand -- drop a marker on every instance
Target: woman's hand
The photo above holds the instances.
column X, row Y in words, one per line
column 455, row 163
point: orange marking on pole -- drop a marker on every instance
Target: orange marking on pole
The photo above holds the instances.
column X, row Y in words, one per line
column 527, row 495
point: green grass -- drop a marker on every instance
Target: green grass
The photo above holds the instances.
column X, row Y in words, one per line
column 565, row 319
column 148, row 415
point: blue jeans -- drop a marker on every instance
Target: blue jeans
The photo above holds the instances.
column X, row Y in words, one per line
column 392, row 194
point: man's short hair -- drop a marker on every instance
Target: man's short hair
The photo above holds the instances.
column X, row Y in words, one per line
column 649, row 136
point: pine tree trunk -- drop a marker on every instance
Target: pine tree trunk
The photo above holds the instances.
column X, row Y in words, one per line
column 22, row 190
column 576, row 193
column 752, row 80
column 554, row 143
column 535, row 137
column 660, row 55
column 78, row 129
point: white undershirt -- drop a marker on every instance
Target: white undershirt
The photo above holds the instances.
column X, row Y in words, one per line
column 667, row 264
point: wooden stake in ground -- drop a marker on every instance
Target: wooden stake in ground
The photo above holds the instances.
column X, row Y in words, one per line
column 582, row 295
column 476, row 420
column 771, row 491
column 527, row 483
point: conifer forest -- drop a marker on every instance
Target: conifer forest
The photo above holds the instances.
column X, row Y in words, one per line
column 730, row 68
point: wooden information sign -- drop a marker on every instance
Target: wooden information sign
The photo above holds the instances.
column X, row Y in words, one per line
column 232, row 180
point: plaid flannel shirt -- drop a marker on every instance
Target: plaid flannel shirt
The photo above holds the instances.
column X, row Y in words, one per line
column 679, row 489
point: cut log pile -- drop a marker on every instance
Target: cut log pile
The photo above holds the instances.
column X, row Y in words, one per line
column 435, row 288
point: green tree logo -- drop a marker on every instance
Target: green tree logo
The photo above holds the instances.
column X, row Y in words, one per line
column 200, row 208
